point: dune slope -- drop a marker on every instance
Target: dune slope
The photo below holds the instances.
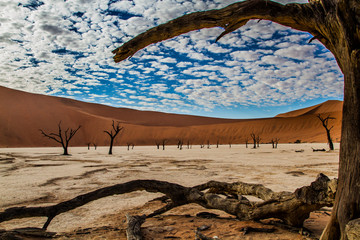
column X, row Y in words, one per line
column 23, row 114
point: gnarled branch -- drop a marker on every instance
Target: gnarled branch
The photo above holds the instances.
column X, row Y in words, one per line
column 292, row 208
column 297, row 16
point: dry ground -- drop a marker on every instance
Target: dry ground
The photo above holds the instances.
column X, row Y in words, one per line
column 41, row 176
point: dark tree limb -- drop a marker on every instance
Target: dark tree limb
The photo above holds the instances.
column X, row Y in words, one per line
column 61, row 138
column 112, row 134
column 292, row 208
column 297, row 16
column 325, row 123
column 133, row 230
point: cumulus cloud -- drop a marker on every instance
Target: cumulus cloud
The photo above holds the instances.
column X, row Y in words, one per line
column 64, row 48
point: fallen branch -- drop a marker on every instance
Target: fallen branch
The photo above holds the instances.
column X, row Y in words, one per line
column 292, row 208
column 133, row 230
column 319, row 150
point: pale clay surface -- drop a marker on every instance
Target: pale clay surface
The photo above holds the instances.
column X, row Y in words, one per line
column 42, row 176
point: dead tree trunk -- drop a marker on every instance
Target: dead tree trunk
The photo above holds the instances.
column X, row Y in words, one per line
column 133, row 230
column 258, row 139
column 336, row 24
column 274, row 142
column 128, row 146
column 164, row 141
column 180, row 144
column 325, row 123
column 62, row 138
column 112, row 134
column 253, row 136
column 95, row 146
column 292, row 208
column 246, row 142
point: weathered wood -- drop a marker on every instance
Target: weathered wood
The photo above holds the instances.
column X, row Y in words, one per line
column 336, row 24
column 133, row 230
column 112, row 134
column 60, row 137
column 353, row 229
column 292, row 208
column 325, row 123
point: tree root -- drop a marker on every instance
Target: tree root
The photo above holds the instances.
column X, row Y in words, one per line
column 291, row 208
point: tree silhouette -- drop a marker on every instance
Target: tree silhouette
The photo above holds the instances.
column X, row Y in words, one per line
column 130, row 144
column 157, row 143
column 258, row 139
column 325, row 123
column 274, row 142
column 180, row 144
column 254, row 138
column 164, row 141
column 62, row 137
column 246, row 142
column 112, row 134
column 335, row 24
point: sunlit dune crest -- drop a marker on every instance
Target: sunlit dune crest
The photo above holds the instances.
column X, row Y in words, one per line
column 23, row 114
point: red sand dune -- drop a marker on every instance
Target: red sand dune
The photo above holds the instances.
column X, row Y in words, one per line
column 23, row 114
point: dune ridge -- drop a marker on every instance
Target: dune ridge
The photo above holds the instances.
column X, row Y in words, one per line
column 23, row 114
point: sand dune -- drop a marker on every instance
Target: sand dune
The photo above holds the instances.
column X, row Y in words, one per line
column 23, row 114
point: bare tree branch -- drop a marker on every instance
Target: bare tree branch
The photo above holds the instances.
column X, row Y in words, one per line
column 63, row 140
column 293, row 208
column 297, row 16
column 112, row 135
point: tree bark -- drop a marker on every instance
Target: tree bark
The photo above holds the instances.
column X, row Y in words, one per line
column 292, row 208
column 66, row 151
column 133, row 230
column 111, row 145
column 336, row 24
column 347, row 206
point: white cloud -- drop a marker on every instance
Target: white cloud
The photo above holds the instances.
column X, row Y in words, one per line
column 65, row 47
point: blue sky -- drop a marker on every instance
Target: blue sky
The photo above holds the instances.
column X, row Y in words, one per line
column 63, row 48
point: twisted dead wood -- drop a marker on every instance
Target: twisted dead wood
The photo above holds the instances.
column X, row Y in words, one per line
column 292, row 208
column 297, row 16
column 336, row 24
column 133, row 231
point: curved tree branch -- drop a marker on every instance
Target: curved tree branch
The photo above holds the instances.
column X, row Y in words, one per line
column 297, row 16
column 292, row 208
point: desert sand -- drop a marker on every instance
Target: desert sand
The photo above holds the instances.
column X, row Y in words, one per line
column 42, row 176
column 23, row 114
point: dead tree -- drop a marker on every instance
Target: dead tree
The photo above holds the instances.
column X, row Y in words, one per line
column 189, row 144
column 274, row 142
column 217, row 143
column 130, row 144
column 157, row 143
column 291, row 208
column 112, row 134
column 246, row 142
column 208, row 144
column 180, row 144
column 88, row 144
column 258, row 139
column 62, row 137
column 335, row 24
column 253, row 136
column 164, row 141
column 325, row 123
column 95, row 145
